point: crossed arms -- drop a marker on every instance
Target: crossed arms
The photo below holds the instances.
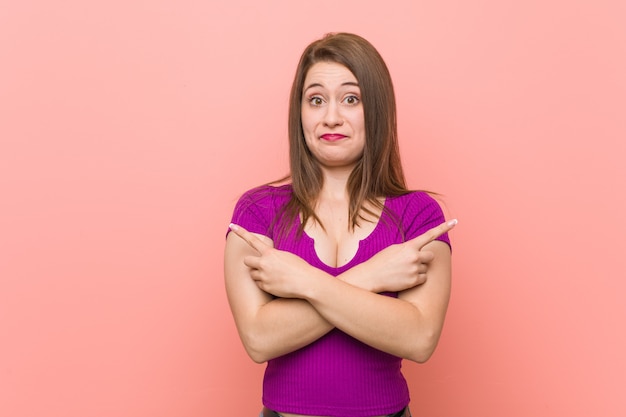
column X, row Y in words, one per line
column 281, row 303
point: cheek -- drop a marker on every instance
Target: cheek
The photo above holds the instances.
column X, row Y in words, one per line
column 306, row 120
column 307, row 129
column 360, row 123
column 356, row 119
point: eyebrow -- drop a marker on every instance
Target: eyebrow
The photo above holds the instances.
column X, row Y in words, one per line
column 347, row 83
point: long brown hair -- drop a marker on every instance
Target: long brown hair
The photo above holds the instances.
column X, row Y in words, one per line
column 379, row 171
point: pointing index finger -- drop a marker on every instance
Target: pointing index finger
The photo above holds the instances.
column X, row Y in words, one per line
column 432, row 234
column 253, row 241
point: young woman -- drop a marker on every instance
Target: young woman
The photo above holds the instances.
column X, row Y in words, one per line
column 338, row 272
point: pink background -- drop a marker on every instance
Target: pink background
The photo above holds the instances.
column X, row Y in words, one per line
column 129, row 129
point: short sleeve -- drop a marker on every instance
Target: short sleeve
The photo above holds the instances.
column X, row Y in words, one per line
column 422, row 213
column 254, row 211
column 257, row 209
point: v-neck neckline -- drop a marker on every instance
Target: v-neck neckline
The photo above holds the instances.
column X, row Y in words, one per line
column 350, row 263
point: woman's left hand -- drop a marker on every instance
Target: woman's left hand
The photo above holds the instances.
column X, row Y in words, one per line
column 277, row 272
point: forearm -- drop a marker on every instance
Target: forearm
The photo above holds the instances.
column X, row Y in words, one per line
column 281, row 326
column 359, row 276
column 311, row 302
column 268, row 326
column 284, row 325
column 385, row 323
column 408, row 326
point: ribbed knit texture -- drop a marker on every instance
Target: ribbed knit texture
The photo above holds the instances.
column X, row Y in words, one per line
column 337, row 375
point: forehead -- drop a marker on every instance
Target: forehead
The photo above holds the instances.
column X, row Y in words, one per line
column 328, row 74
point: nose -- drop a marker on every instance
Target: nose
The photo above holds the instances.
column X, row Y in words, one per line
column 333, row 116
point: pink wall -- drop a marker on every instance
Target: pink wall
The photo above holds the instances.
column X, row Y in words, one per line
column 128, row 129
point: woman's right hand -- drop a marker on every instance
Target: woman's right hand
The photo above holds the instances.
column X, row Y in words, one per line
column 398, row 267
column 277, row 272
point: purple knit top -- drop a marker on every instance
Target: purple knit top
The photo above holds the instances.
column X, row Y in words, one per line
column 337, row 375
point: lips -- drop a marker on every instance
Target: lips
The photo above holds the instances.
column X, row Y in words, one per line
column 332, row 137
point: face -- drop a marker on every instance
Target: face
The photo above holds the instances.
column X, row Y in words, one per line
column 332, row 115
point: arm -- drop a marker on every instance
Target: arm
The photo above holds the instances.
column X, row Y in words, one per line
column 408, row 326
column 268, row 326
column 271, row 327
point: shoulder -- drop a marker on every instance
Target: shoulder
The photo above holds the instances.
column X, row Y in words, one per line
column 257, row 208
column 414, row 202
column 416, row 212
column 267, row 195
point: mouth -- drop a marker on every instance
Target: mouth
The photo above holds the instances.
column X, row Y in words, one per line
column 332, row 137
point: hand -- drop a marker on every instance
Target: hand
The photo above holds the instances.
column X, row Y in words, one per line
column 401, row 266
column 274, row 271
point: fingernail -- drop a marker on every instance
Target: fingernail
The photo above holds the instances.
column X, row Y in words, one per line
column 232, row 226
column 453, row 222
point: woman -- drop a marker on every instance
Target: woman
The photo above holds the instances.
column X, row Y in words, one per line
column 337, row 275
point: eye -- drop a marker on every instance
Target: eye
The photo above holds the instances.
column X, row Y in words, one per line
column 316, row 101
column 351, row 100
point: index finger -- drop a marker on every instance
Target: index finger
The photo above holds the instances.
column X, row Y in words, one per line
column 254, row 242
column 432, row 234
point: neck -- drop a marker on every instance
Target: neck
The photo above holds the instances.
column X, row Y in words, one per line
column 335, row 184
